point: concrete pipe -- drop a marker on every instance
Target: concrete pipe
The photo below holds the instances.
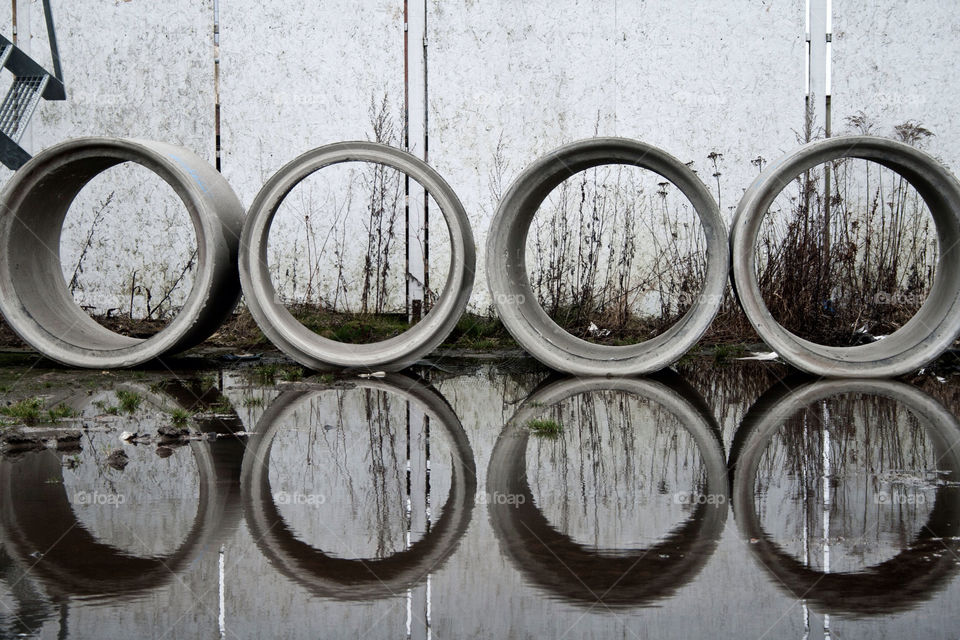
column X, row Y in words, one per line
column 34, row 297
column 935, row 326
column 516, row 302
column 317, row 352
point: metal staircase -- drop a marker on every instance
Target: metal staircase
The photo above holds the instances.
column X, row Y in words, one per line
column 31, row 83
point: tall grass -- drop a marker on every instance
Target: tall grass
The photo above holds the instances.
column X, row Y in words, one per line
column 838, row 267
column 616, row 256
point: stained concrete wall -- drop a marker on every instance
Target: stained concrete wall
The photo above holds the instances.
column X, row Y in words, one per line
column 691, row 77
column 895, row 64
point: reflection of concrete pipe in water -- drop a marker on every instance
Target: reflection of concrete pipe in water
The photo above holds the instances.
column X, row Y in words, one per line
column 553, row 561
column 313, row 350
column 898, row 584
column 357, row 579
column 921, row 340
column 34, row 297
column 30, row 610
column 36, row 515
column 516, row 302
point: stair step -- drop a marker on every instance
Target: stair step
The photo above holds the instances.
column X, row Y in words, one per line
column 20, row 103
column 31, row 83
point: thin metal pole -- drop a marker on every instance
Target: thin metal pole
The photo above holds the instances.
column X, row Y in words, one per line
column 52, row 36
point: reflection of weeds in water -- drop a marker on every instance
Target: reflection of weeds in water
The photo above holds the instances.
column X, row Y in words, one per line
column 252, row 401
column 870, row 436
column 382, row 438
column 545, row 428
column 602, row 458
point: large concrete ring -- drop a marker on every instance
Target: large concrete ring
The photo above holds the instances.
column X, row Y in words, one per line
column 516, row 302
column 34, row 297
column 935, row 326
column 319, row 353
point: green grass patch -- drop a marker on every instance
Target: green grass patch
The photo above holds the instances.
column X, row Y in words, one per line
column 180, row 417
column 27, row 410
column 351, row 327
column 129, row 401
column 722, row 353
column 268, row 373
column 31, row 411
column 106, row 407
column 480, row 333
column 291, row 374
column 545, row 428
column 60, row 412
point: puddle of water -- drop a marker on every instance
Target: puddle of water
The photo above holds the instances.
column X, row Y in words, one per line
column 484, row 500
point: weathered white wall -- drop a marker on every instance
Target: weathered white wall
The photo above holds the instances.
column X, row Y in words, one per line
column 132, row 69
column 690, row 77
column 896, row 62
column 687, row 77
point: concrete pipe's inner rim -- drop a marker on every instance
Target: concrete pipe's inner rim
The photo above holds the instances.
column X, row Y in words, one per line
column 632, row 184
column 644, row 574
column 397, row 268
column 528, row 194
column 941, row 199
column 329, row 576
column 416, row 336
column 66, row 568
column 904, row 573
column 34, row 242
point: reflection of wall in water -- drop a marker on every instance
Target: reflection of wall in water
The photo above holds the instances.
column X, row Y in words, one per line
column 881, row 486
column 346, row 459
column 147, row 508
column 621, row 474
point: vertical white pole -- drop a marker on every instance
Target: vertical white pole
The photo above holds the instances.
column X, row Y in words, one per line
column 222, row 617
column 818, row 57
column 416, row 141
column 827, row 503
column 418, row 513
